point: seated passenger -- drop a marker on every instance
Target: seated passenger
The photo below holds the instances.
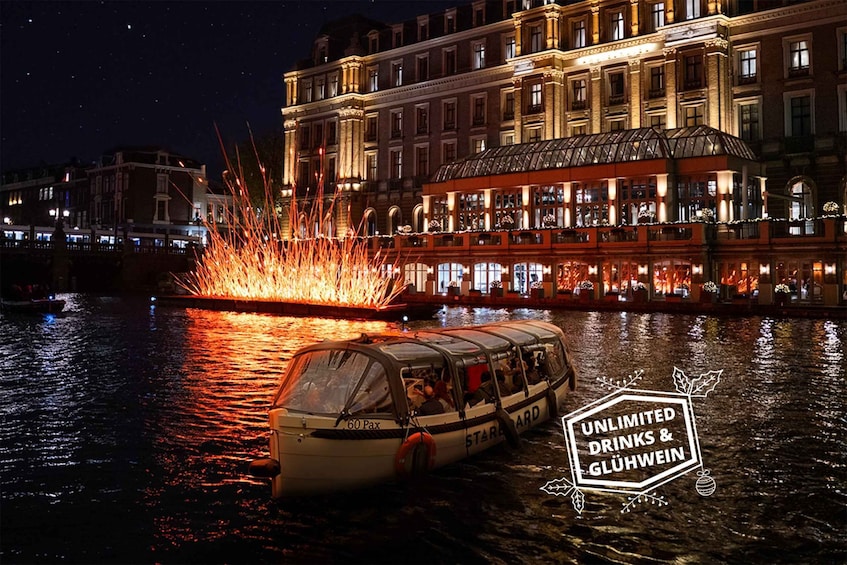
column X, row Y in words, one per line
column 431, row 405
column 485, row 391
column 532, row 375
column 442, row 393
column 504, row 387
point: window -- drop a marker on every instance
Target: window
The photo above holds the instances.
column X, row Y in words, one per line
column 693, row 115
column 450, row 61
column 616, row 88
column 510, row 50
column 533, row 134
column 396, row 156
column 842, row 47
column 307, row 91
column 396, row 124
column 373, row 42
column 423, row 68
column 747, row 66
column 423, row 30
column 373, row 79
column 397, row 74
column 657, row 82
column 449, row 109
column 657, row 15
column 748, row 121
column 658, row 121
column 693, row 71
column 370, row 166
column 422, row 119
column 579, row 94
column 448, row 151
column 507, row 138
column 534, row 98
column 579, row 34
column 371, row 128
column 579, row 129
column 333, row 84
column 398, row 37
column 450, row 22
column 692, row 9
column 321, row 89
column 477, row 144
column 306, row 138
column 478, row 16
column 798, row 57
column 617, row 124
column 535, row 39
column 842, row 107
column 801, row 115
column 478, row 56
column 422, row 161
column 478, row 110
column 616, row 26
column 319, row 135
column 331, row 132
column 508, row 105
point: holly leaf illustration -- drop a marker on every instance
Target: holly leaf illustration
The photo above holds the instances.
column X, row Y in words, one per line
column 680, row 381
column 558, row 487
column 578, row 500
column 705, row 383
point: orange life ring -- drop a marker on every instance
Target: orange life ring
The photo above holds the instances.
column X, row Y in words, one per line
column 409, row 460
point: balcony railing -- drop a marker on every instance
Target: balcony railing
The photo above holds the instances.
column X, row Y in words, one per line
column 578, row 105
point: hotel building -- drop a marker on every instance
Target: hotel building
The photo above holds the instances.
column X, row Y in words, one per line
column 586, row 147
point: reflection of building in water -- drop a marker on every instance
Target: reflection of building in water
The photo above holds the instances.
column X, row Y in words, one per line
column 586, row 141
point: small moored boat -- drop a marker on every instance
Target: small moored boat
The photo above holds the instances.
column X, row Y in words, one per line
column 48, row 305
column 356, row 413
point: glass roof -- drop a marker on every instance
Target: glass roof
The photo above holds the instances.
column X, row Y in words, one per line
column 601, row 148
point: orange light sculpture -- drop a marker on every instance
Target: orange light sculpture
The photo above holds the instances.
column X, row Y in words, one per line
column 246, row 258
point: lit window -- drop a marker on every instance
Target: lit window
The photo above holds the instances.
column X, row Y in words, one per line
column 534, row 98
column 396, row 163
column 397, row 124
column 692, row 9
column 748, row 122
column 616, row 26
column 747, row 63
column 798, row 57
column 509, row 106
column 478, row 145
column 657, row 81
column 373, row 79
column 658, row 121
column 657, row 15
column 397, row 74
column 510, row 48
column 479, row 56
column 371, row 166
column 535, row 37
column 616, row 88
column 578, row 89
column 579, row 34
column 693, row 115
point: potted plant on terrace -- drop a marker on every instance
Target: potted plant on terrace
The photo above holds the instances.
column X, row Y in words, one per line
column 782, row 293
column 586, row 291
column 710, row 292
column 830, row 208
column 495, row 288
column 536, row 289
column 639, row 292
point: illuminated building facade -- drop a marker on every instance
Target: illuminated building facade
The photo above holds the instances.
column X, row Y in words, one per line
column 563, row 118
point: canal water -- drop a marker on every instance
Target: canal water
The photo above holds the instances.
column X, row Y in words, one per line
column 126, row 431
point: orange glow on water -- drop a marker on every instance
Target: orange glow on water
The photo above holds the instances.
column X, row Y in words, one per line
column 246, row 259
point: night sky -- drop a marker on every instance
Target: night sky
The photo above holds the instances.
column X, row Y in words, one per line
column 80, row 78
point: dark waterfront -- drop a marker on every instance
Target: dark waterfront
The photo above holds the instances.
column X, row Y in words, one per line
column 126, row 434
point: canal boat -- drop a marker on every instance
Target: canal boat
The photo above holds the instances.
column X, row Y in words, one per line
column 350, row 414
column 49, row 305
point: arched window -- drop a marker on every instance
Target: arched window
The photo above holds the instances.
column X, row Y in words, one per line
column 801, row 191
column 525, row 274
column 395, row 218
column 447, row 273
column 370, row 222
column 484, row 274
column 417, row 219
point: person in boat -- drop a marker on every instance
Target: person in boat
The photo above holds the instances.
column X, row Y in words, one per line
column 442, row 393
column 504, row 387
column 431, row 404
column 532, row 375
column 485, row 391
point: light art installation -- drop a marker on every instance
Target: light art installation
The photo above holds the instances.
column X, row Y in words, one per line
column 246, row 258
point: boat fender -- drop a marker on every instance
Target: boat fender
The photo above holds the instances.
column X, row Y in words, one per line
column 508, row 427
column 264, row 467
column 552, row 403
column 416, row 456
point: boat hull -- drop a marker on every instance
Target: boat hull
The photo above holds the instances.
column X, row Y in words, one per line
column 311, row 450
column 35, row 306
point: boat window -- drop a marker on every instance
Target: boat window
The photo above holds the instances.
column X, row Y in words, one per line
column 555, row 356
column 320, row 382
column 374, row 395
column 416, row 381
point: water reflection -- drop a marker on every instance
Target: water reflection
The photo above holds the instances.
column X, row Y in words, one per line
column 132, row 427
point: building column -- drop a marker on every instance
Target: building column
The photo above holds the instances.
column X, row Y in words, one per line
column 595, row 23
column 718, row 85
column 568, row 193
column 518, row 89
column 670, row 85
column 291, row 91
column 669, row 15
column 633, row 19
column 554, row 104
column 526, row 198
column 552, row 29
column 351, row 144
column 613, row 201
column 662, row 195
column 724, row 201
column 635, row 93
column 488, row 203
column 289, row 171
column 451, row 212
column 763, row 190
column 596, row 100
